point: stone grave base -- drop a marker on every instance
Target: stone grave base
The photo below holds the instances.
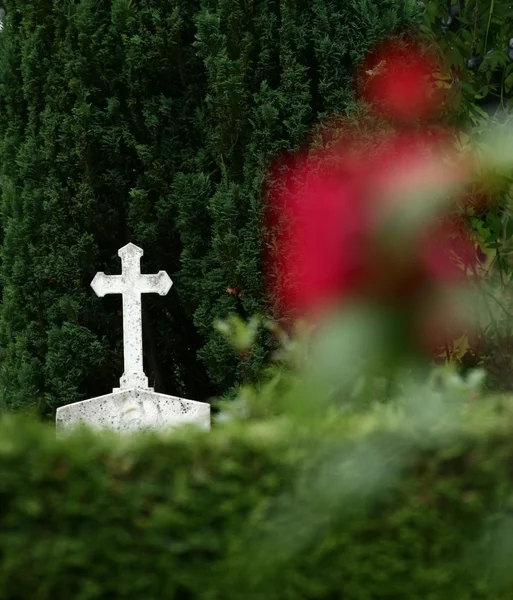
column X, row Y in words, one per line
column 130, row 410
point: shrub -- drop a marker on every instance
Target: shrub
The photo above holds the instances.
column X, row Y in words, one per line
column 371, row 506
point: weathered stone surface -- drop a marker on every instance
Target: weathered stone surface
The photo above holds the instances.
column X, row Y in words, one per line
column 133, row 406
column 132, row 410
column 131, row 284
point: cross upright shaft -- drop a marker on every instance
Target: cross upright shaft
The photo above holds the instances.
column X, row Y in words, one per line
column 131, row 284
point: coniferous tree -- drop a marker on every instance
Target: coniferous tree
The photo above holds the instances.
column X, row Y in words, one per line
column 153, row 122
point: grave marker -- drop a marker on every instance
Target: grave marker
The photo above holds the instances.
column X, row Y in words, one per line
column 134, row 405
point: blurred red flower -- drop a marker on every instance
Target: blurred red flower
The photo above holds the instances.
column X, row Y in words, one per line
column 332, row 212
column 398, row 80
column 361, row 221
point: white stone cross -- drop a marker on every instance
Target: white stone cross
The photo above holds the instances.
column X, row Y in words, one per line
column 131, row 284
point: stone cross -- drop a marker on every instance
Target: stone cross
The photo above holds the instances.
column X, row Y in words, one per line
column 131, row 284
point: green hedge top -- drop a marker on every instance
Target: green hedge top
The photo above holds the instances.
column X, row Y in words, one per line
column 377, row 506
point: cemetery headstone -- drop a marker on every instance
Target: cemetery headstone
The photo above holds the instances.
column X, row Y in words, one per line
column 133, row 405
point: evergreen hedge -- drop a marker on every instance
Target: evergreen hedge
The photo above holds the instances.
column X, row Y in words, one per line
column 153, row 122
column 368, row 507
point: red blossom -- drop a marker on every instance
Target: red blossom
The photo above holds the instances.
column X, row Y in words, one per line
column 332, row 206
column 449, row 252
column 398, row 80
column 321, row 221
column 332, row 212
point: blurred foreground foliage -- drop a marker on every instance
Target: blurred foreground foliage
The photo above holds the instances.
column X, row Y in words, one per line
column 403, row 500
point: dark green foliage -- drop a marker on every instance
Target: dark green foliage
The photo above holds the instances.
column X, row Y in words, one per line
column 474, row 41
column 153, row 122
column 475, row 47
column 356, row 510
column 273, row 69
